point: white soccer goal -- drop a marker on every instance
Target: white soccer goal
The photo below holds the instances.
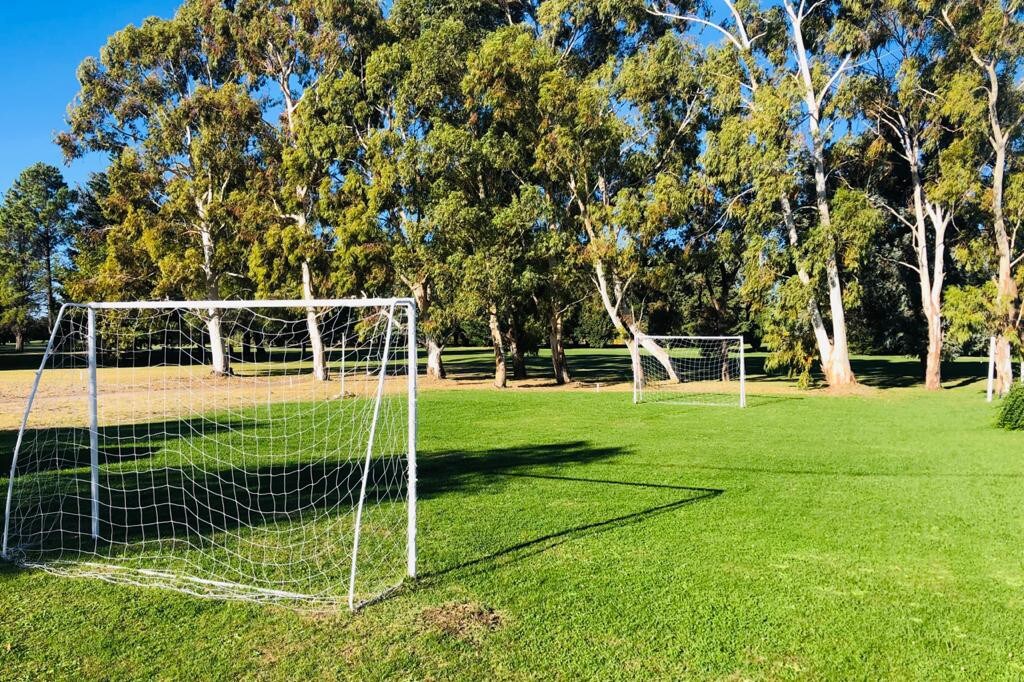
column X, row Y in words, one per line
column 265, row 480
column 690, row 370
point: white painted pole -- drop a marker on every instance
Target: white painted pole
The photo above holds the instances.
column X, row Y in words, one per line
column 743, row 373
column 24, row 424
column 413, row 371
column 344, row 347
column 636, row 369
column 94, row 448
column 991, row 366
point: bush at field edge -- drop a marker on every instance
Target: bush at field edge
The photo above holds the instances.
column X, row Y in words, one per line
column 1011, row 412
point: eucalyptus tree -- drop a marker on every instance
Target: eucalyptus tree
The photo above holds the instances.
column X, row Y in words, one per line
column 287, row 47
column 902, row 93
column 378, row 125
column 608, row 181
column 591, row 156
column 108, row 260
column 88, row 247
column 560, row 266
column 985, row 43
column 792, row 61
column 168, row 101
column 535, row 236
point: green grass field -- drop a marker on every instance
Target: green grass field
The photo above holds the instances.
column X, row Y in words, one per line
column 569, row 534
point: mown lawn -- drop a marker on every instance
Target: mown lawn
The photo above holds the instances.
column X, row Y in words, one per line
column 569, row 534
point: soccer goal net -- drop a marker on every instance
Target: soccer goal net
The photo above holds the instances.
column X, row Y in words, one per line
column 690, row 370
column 259, row 450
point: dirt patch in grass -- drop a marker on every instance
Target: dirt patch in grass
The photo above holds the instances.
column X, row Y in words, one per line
column 467, row 621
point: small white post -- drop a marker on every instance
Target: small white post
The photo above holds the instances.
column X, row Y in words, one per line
column 94, row 446
column 344, row 346
column 413, row 371
column 991, row 366
column 635, row 353
column 743, row 373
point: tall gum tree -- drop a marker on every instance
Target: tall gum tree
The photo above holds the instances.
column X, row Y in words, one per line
column 503, row 83
column 986, row 39
column 589, row 156
column 168, row 102
column 805, row 51
column 900, row 92
column 585, row 146
column 377, row 123
column 287, row 46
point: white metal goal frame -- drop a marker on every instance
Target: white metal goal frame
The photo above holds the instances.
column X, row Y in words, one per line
column 387, row 306
column 674, row 369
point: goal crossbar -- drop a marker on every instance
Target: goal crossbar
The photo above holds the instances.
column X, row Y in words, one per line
column 233, row 304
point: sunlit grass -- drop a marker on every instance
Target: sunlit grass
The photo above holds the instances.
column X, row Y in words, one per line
column 808, row 536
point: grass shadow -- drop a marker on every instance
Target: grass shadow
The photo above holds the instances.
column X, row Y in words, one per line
column 544, row 542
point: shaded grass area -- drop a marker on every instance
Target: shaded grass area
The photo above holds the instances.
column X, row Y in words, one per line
column 265, row 497
column 824, row 537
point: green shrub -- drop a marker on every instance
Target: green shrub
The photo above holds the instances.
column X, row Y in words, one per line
column 1011, row 412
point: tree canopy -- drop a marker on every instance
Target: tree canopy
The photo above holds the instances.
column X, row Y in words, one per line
column 825, row 177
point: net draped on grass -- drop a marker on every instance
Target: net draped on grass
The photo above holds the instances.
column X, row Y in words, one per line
column 285, row 477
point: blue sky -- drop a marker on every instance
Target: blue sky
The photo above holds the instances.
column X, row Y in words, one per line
column 41, row 45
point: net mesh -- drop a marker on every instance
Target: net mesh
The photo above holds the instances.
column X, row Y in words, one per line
column 258, row 481
column 690, row 370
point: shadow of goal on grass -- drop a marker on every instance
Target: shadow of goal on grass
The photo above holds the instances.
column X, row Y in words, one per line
column 548, row 541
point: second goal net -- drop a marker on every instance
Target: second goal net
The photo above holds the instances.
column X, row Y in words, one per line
column 260, row 450
column 690, row 370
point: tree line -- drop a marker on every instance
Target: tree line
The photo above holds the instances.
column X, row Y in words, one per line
column 819, row 176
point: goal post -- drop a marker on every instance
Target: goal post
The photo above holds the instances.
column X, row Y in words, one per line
column 690, row 370
column 144, row 458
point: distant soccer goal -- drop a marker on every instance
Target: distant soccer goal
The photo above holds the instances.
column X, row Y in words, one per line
column 690, row 370
column 260, row 450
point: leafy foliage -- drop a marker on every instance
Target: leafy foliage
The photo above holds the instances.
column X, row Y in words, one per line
column 517, row 167
column 1011, row 409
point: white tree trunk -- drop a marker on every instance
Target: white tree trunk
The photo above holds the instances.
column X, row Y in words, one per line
column 1004, row 366
column 839, row 371
column 625, row 325
column 1006, row 286
column 930, row 270
column 837, row 368
column 316, row 344
column 218, row 355
column 435, row 362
